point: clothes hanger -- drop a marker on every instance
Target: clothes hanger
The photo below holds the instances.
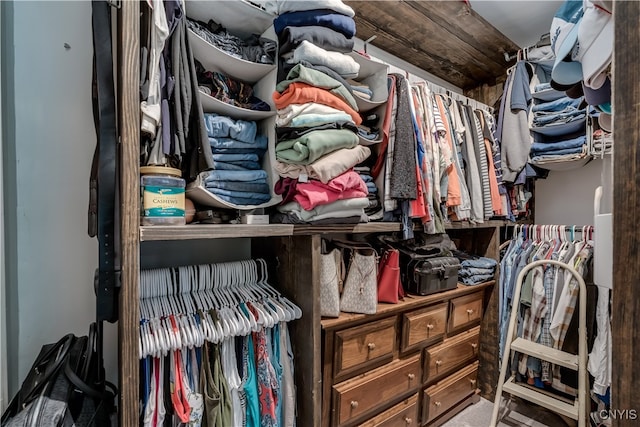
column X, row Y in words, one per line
column 270, row 316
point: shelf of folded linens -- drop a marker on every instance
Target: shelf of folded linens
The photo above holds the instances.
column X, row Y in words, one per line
column 374, row 75
column 212, row 231
column 410, row 301
column 549, row 94
column 213, row 58
column 239, row 17
column 214, row 105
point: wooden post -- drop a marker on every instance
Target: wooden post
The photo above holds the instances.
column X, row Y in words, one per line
column 129, row 125
column 488, row 370
column 625, row 321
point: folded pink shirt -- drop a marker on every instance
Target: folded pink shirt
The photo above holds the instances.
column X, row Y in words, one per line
column 313, row 193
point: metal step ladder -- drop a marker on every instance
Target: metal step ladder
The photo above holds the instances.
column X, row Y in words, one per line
column 578, row 410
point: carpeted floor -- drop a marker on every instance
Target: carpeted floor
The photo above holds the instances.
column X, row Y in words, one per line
column 520, row 414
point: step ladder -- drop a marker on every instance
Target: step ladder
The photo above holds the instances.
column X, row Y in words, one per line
column 577, row 410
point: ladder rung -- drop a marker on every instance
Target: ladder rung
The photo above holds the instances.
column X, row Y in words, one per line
column 543, row 352
column 543, row 400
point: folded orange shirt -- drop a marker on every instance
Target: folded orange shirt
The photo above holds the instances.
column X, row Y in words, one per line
column 301, row 93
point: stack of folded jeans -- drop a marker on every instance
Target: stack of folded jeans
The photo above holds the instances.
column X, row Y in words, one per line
column 559, row 132
column 571, row 148
column 237, row 151
column 558, row 113
column 316, row 124
column 477, row 270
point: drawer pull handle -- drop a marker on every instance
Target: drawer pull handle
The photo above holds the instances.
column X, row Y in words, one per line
column 411, row 377
column 407, row 420
column 474, row 345
column 371, row 346
column 437, row 404
column 470, row 311
column 438, row 362
column 354, row 404
column 473, row 383
column 430, row 326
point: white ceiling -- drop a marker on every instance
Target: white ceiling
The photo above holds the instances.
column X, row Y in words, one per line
column 522, row 21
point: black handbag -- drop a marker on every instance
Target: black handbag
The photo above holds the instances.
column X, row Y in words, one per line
column 64, row 387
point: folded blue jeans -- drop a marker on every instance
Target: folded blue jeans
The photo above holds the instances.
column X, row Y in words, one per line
column 566, row 117
column 251, row 187
column 260, row 143
column 557, row 105
column 474, row 280
column 482, row 262
column 238, row 197
column 230, row 158
column 473, row 271
column 236, row 166
column 543, row 147
column 241, row 176
column 225, row 127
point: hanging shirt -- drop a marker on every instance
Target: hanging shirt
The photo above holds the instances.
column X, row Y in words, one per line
column 267, row 382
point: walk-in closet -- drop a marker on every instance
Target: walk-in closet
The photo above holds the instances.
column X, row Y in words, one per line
column 326, row 213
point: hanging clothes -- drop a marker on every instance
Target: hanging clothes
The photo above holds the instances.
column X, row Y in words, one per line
column 547, row 302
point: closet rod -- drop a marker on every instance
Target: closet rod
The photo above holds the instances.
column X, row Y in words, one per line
column 459, row 97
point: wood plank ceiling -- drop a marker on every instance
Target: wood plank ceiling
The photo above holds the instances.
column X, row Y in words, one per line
column 445, row 38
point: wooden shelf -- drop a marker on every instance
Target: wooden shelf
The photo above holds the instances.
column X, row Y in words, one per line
column 212, row 231
column 409, row 302
column 370, row 227
column 466, row 224
column 227, row 231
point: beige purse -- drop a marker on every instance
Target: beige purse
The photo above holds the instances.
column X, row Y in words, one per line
column 360, row 293
column 331, row 279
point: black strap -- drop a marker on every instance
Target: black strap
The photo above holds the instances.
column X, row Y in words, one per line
column 104, row 169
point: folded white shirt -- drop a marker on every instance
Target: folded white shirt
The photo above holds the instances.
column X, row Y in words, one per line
column 278, row 7
column 342, row 64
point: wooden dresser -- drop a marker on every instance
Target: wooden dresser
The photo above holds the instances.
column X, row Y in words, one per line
column 410, row 364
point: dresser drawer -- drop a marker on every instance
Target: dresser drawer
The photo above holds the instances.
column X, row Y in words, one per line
column 364, row 347
column 358, row 396
column 439, row 398
column 419, row 327
column 404, row 414
column 465, row 310
column 442, row 359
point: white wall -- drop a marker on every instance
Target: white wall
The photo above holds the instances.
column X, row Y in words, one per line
column 567, row 197
column 54, row 138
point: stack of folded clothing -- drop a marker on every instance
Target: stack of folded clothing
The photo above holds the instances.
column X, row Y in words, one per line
column 344, row 198
column 374, row 200
column 475, row 270
column 369, row 129
column 255, row 49
column 559, row 131
column 237, row 151
column 552, row 117
column 360, row 89
column 228, row 90
column 317, row 118
column 569, row 148
column 602, row 142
